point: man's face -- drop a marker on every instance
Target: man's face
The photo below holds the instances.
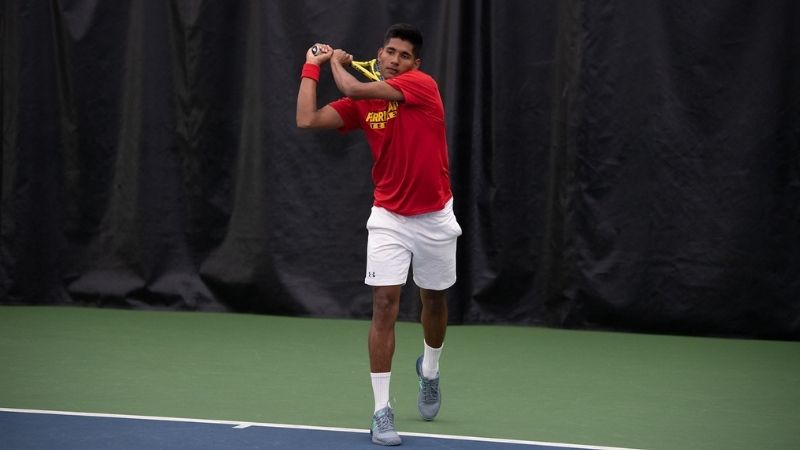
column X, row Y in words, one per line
column 396, row 57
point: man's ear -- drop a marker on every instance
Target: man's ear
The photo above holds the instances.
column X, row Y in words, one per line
column 417, row 63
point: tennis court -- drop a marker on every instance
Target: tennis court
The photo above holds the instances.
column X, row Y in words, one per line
column 29, row 429
column 100, row 378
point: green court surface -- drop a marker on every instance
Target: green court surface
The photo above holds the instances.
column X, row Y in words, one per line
column 527, row 383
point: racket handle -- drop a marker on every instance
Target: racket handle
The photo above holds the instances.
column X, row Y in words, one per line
column 314, row 50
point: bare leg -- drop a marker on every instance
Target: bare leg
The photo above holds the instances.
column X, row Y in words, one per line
column 434, row 316
column 385, row 308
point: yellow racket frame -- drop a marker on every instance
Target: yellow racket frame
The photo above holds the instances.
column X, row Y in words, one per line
column 368, row 68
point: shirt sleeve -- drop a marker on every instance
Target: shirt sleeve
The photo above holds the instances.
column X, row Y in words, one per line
column 417, row 87
column 348, row 112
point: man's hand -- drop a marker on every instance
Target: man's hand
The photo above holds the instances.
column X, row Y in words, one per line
column 342, row 57
column 324, row 53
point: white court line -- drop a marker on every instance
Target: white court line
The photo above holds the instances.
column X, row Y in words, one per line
column 245, row 424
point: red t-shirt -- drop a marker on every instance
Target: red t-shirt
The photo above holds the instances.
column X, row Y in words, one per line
column 411, row 171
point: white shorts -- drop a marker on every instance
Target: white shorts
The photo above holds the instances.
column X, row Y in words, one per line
column 426, row 241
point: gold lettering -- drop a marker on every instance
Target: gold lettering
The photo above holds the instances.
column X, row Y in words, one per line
column 377, row 119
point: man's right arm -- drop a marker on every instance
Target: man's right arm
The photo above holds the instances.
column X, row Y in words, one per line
column 308, row 116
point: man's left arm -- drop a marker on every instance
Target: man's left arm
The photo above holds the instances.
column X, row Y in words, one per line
column 349, row 86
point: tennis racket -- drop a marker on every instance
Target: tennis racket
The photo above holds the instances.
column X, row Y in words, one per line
column 369, row 69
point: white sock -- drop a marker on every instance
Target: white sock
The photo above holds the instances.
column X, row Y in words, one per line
column 380, row 389
column 430, row 361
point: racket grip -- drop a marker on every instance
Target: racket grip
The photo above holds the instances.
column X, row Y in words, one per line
column 314, row 50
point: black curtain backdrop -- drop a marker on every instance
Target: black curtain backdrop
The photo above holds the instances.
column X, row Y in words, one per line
column 623, row 165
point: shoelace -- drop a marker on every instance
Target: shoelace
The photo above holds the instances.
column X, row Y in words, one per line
column 430, row 389
column 385, row 422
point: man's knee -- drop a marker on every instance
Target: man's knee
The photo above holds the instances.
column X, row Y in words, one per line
column 433, row 299
column 385, row 300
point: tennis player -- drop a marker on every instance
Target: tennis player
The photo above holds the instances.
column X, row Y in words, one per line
column 411, row 224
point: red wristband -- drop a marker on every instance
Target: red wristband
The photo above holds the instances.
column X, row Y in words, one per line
column 310, row 71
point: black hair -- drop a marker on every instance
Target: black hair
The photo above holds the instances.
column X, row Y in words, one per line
column 408, row 33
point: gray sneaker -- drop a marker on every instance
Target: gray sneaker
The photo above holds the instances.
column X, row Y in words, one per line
column 382, row 428
column 430, row 397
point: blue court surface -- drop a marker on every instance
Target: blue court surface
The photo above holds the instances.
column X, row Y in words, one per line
column 39, row 430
